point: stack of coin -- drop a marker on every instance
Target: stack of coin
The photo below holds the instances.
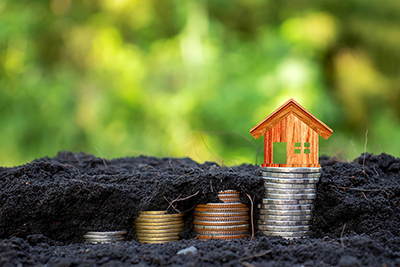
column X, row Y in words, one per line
column 228, row 220
column 158, row 227
column 289, row 197
column 104, row 237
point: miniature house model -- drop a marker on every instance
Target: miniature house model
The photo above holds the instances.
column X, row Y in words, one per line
column 291, row 136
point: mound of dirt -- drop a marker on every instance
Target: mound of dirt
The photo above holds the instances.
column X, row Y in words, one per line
column 48, row 205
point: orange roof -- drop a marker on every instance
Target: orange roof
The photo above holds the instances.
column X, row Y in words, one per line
column 291, row 107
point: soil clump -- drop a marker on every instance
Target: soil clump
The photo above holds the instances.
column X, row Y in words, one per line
column 49, row 204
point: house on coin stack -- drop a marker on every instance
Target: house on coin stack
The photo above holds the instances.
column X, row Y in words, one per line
column 291, row 136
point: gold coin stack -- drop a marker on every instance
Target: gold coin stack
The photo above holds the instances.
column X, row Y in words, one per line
column 228, row 220
column 158, row 227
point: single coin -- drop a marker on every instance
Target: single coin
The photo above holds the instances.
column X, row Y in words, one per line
column 154, row 242
column 221, row 209
column 290, row 180
column 314, row 175
column 137, row 222
column 165, row 216
column 228, row 192
column 222, row 236
column 286, row 212
column 222, row 205
column 158, row 212
column 104, row 240
column 109, row 233
column 285, row 207
column 148, row 227
column 274, row 228
column 283, row 223
column 289, row 186
column 139, row 234
column 154, row 220
column 221, row 219
column 221, row 227
column 162, row 238
column 287, row 234
column 159, row 231
column 220, row 223
column 287, row 201
column 291, row 169
column 229, row 196
column 103, row 236
column 291, row 196
column 229, row 200
column 290, row 191
column 285, row 218
column 215, row 232
column 220, row 214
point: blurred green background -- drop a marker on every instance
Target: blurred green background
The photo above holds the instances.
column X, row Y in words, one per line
column 175, row 78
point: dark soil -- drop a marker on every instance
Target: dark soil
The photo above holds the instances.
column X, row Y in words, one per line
column 47, row 205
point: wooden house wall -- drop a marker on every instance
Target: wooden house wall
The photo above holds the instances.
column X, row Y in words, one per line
column 292, row 130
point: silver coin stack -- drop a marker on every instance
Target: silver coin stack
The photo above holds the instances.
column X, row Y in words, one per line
column 104, row 237
column 289, row 198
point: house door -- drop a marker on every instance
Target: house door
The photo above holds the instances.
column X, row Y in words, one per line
column 279, row 152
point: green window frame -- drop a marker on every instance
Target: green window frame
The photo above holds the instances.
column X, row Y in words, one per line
column 306, row 144
column 307, row 151
column 297, row 151
column 297, row 144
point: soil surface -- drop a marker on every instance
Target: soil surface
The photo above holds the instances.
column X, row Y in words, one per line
column 46, row 207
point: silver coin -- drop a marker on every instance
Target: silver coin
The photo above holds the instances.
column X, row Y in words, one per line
column 109, row 233
column 285, row 207
column 290, row 186
column 283, row 223
column 286, row 212
column 290, row 180
column 314, row 175
column 285, row 217
column 221, row 227
column 287, row 201
column 290, row 196
column 104, row 240
column 286, row 234
column 291, row 169
column 275, row 228
column 289, row 191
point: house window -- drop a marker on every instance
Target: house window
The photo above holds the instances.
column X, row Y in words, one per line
column 297, row 144
column 297, row 151
column 307, row 151
column 306, row 144
column 279, row 153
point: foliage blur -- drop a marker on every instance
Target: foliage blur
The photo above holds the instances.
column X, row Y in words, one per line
column 177, row 78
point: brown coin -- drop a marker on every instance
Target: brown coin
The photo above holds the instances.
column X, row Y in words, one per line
column 236, row 232
column 214, row 223
column 222, row 205
column 228, row 192
column 222, row 209
column 222, row 236
column 220, row 214
column 229, row 200
column 221, row 219
column 221, row 227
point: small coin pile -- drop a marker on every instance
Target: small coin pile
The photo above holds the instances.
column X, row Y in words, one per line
column 104, row 237
column 228, row 220
column 158, row 227
column 289, row 197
